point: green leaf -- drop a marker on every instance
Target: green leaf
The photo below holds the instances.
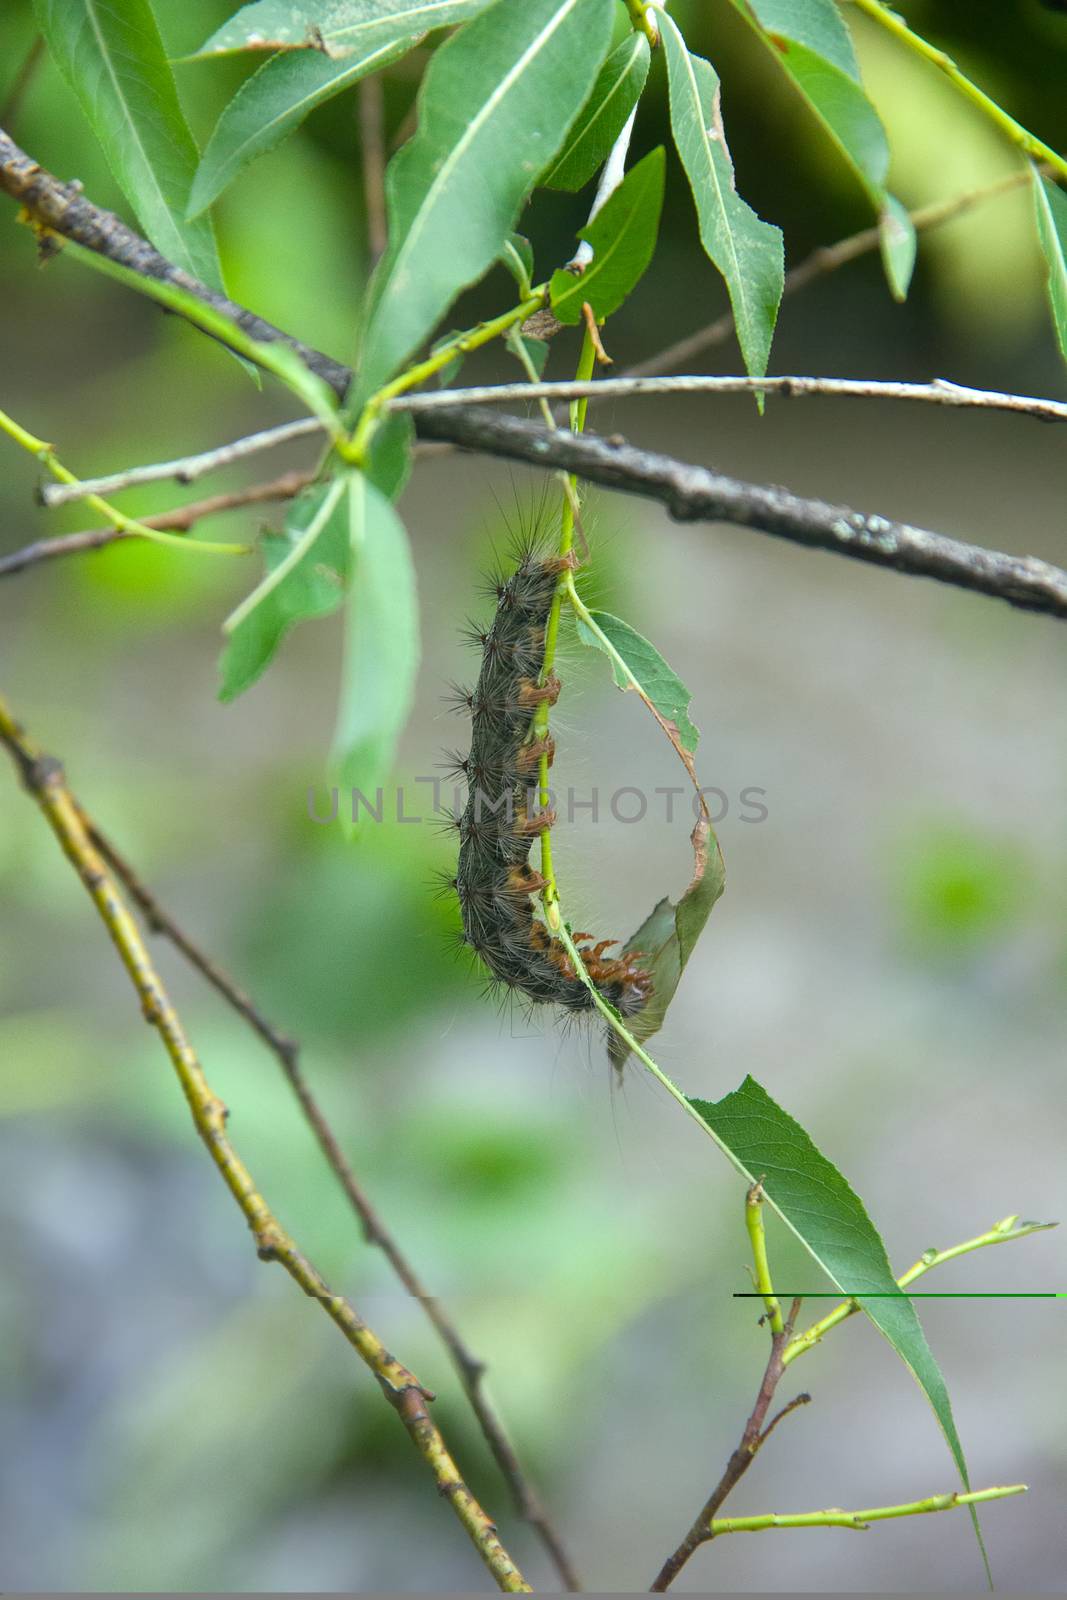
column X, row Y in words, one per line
column 381, row 641
column 111, row 54
column 531, row 352
column 637, row 664
column 272, row 103
column 747, row 251
column 517, row 255
column 1051, row 205
column 307, row 570
column 811, row 44
column 813, row 1199
column 494, row 107
column 666, row 939
column 669, row 933
column 622, row 236
column 337, row 27
column 615, row 93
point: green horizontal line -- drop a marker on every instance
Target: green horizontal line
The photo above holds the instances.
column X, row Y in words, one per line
column 904, row 1294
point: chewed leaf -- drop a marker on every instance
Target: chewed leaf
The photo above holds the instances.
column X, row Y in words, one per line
column 1051, row 205
column 494, row 107
column 381, row 641
column 335, row 28
column 307, row 570
column 747, row 251
column 668, row 935
column 615, row 93
column 113, row 58
column 622, row 236
column 637, row 664
column 812, row 46
column 814, row 1200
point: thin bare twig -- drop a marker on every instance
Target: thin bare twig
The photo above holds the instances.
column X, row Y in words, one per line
column 180, row 520
column 44, row 779
column 185, row 469
column 694, row 494
column 470, row 1369
column 753, row 1438
column 820, row 263
column 941, row 392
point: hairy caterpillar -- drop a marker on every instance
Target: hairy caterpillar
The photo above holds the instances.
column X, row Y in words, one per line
column 494, row 879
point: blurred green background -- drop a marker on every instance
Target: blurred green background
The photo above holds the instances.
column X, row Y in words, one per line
column 890, row 959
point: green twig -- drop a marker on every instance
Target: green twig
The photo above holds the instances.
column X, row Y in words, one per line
column 539, row 725
column 1000, row 1233
column 642, row 21
column 1020, row 136
column 354, row 449
column 277, row 358
column 44, row 453
column 834, row 1518
column 758, row 1238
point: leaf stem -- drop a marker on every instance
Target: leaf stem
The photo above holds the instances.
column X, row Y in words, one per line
column 44, row 453
column 1020, row 136
column 642, row 22
column 999, row 1233
column 835, row 1518
column 354, row 448
column 539, row 725
column 758, row 1239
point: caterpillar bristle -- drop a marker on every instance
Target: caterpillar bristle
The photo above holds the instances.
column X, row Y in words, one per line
column 494, row 880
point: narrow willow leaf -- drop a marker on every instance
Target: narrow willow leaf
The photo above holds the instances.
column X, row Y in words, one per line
column 667, row 936
column 637, row 664
column 307, row 570
column 494, row 107
column 272, row 103
column 1051, row 206
column 615, row 93
column 111, row 54
column 747, row 251
column 335, row 28
column 811, row 44
column 623, row 237
column 381, row 641
column 814, row 1200
column 517, row 255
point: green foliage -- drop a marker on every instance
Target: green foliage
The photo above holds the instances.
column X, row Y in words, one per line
column 517, row 255
column 307, row 570
column 615, row 93
column 816, row 1202
column 622, row 236
column 381, row 639
column 338, row 28
column 1051, row 205
column 271, row 104
column 811, row 44
column 748, row 252
column 495, row 105
column 111, row 54
column 637, row 664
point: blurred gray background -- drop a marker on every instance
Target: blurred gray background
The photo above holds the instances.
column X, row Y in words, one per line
column 889, row 960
